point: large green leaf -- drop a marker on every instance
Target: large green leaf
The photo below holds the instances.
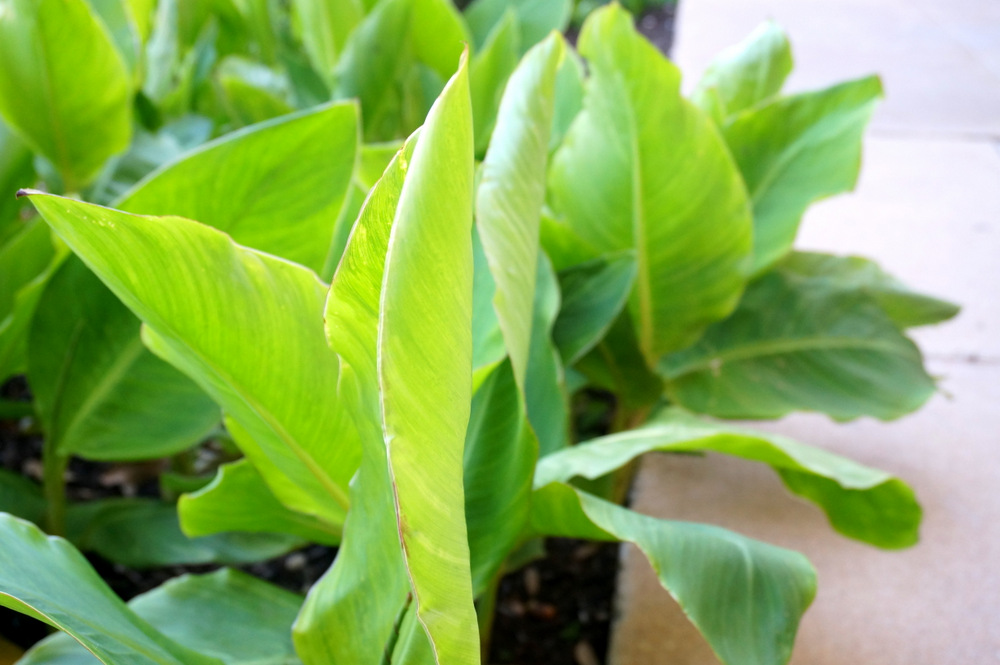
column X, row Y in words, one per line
column 746, row 74
column 324, row 27
column 226, row 614
column 488, row 74
column 797, row 150
column 794, row 345
column 746, row 597
column 535, row 19
column 120, row 23
column 76, row 116
column 244, row 326
column 251, row 93
column 593, row 295
column 100, row 393
column 625, row 178
column 145, row 533
column 862, row 503
column 402, row 326
column 906, row 308
column 545, row 394
column 16, row 171
column 277, row 186
column 438, row 34
column 21, row 497
column 48, row 579
column 238, row 499
column 511, row 192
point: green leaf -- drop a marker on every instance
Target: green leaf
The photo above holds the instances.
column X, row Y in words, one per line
column 746, row 74
column 511, row 192
column 488, row 347
column 226, row 614
column 535, row 19
column 593, row 295
column 795, row 151
column 793, row 345
column 862, row 503
column 906, row 308
column 199, row 294
column 438, row 34
column 251, row 92
column 324, row 28
column 48, row 579
column 500, row 454
column 117, row 17
column 100, row 393
column 746, row 597
column 488, row 74
column 145, row 533
column 375, row 158
column 77, row 117
column 21, row 497
column 402, row 328
column 277, row 186
column 16, row 171
column 624, row 179
column 238, row 499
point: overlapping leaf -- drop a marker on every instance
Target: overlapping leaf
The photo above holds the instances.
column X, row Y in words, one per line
column 624, row 179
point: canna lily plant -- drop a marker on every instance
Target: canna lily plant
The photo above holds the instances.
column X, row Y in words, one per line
column 397, row 364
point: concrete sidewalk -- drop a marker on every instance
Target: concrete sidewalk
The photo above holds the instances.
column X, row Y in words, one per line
column 928, row 209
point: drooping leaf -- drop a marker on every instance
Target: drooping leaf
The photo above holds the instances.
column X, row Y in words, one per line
column 906, row 308
column 624, row 179
column 146, row 533
column 238, row 499
column 744, row 596
column 535, row 19
column 745, row 74
column 488, row 74
column 795, row 151
column 500, row 454
column 226, row 614
column 77, row 117
column 792, row 345
column 511, row 192
column 325, row 27
column 593, row 295
column 46, row 578
column 861, row 502
column 280, row 184
column 244, row 326
column 100, row 393
column 403, row 329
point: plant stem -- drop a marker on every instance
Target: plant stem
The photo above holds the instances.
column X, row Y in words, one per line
column 54, row 486
column 486, row 607
column 626, row 419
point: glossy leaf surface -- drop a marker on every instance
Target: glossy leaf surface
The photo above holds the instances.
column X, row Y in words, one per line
column 623, row 179
column 793, row 346
column 101, row 394
column 277, row 187
column 77, row 117
column 744, row 596
column 225, row 315
column 48, row 579
column 797, row 150
column 861, row 502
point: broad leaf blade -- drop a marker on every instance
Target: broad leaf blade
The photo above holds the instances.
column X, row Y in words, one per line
column 48, row 579
column 746, row 74
column 77, row 117
column 277, row 186
column 21, row 497
column 793, row 346
column 325, row 27
column 861, row 502
column 624, row 179
column 746, row 597
column 795, row 151
column 536, row 19
column 100, row 393
column 488, row 74
column 26, row 259
column 238, row 499
column 511, row 192
column 226, row 614
column 243, row 325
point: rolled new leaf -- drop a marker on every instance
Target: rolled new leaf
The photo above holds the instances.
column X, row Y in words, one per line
column 243, row 325
column 796, row 345
column 625, row 179
column 226, row 614
column 746, row 597
column 46, row 578
column 861, row 502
